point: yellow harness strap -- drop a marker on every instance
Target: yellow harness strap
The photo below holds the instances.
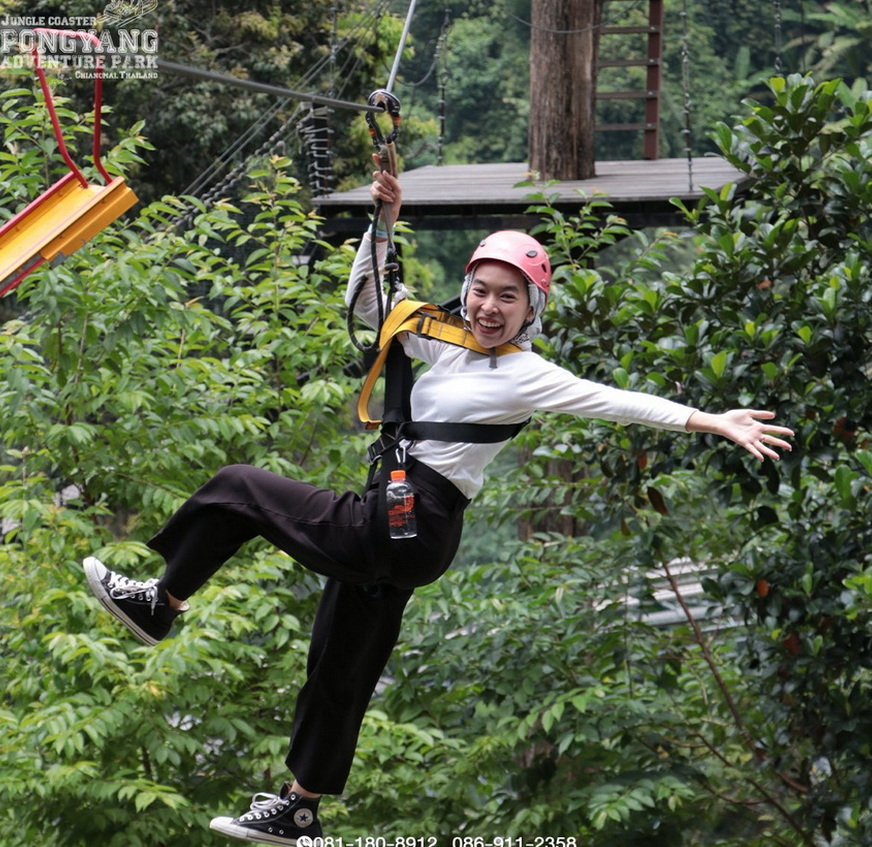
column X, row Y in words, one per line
column 422, row 319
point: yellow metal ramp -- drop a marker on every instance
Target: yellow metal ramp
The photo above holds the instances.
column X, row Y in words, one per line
column 57, row 224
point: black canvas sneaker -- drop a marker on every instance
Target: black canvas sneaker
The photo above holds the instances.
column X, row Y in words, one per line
column 136, row 604
column 274, row 819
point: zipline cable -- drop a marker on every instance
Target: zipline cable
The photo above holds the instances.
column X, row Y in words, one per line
column 262, row 87
column 310, row 77
column 366, row 23
column 398, row 368
column 402, row 46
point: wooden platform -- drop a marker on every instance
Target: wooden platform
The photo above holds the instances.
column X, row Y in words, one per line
column 490, row 197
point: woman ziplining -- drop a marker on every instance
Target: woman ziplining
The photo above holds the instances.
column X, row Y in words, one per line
column 484, row 381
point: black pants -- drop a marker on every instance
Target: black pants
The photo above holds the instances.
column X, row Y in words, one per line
column 370, row 580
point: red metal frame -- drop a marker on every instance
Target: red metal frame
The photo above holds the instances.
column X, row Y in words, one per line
column 98, row 103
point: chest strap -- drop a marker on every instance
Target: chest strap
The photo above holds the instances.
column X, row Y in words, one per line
column 429, row 321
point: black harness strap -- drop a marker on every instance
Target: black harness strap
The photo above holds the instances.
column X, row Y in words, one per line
column 468, row 432
column 398, row 388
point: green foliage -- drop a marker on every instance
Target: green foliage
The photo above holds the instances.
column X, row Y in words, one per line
column 560, row 695
column 838, row 45
column 531, row 692
column 773, row 314
column 132, row 371
column 30, row 160
column 808, row 340
column 199, row 127
column 477, row 76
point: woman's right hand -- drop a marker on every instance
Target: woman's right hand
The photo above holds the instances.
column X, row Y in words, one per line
column 386, row 189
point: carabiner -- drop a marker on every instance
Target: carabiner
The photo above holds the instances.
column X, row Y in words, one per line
column 390, row 104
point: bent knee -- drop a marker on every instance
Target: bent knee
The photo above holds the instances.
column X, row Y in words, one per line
column 234, row 477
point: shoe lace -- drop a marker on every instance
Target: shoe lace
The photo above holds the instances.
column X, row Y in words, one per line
column 267, row 803
column 122, row 587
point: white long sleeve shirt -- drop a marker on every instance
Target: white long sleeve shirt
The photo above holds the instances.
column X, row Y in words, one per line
column 461, row 386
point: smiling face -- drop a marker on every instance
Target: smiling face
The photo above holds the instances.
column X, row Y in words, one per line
column 497, row 304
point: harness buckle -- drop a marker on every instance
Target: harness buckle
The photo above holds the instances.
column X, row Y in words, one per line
column 385, row 442
column 379, row 447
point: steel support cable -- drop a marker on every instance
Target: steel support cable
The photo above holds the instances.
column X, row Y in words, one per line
column 222, row 161
column 243, row 140
column 240, row 143
column 437, row 52
column 364, row 23
column 239, row 171
column 262, row 87
column 434, row 68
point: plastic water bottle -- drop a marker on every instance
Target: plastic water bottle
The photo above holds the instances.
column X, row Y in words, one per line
column 401, row 506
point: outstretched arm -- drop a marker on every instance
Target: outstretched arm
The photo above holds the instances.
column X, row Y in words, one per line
column 747, row 427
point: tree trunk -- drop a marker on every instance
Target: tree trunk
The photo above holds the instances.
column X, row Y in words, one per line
column 549, row 517
column 564, row 46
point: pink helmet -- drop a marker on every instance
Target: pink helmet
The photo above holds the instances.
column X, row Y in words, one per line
column 519, row 250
